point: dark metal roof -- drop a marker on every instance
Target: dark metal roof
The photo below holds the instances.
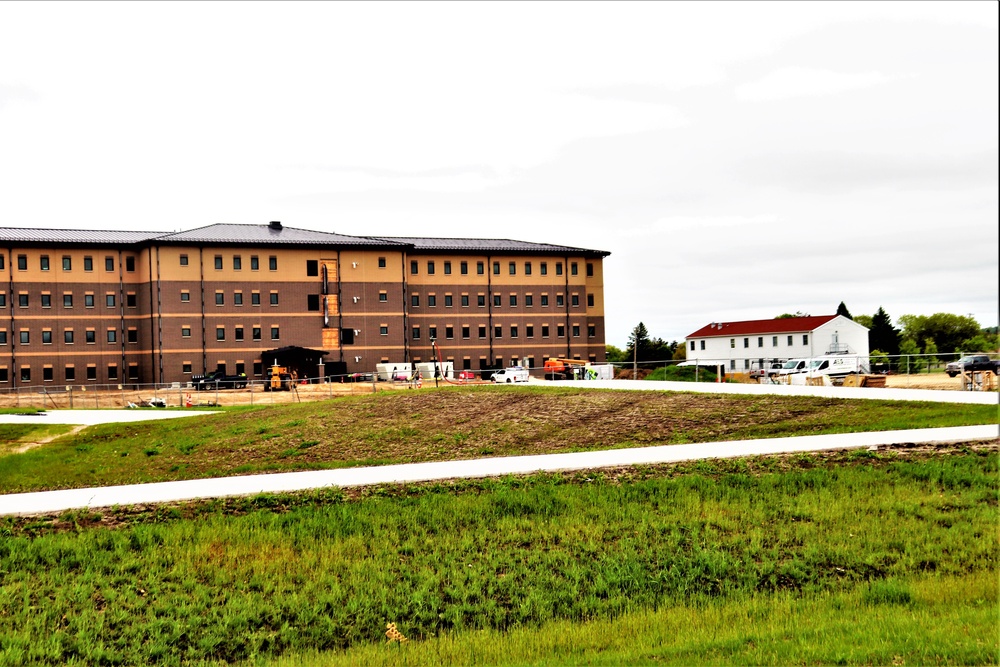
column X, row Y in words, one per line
column 38, row 235
column 265, row 234
column 490, row 245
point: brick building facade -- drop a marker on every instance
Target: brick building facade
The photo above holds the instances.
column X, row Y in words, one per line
column 139, row 307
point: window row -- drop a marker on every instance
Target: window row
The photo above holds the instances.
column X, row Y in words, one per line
column 69, row 373
column 790, row 341
column 72, row 336
column 68, row 300
column 512, row 300
column 45, row 263
column 463, row 268
column 239, row 333
column 272, row 263
column 220, row 298
column 513, row 331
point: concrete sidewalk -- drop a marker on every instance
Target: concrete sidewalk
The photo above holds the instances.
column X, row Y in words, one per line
column 44, row 502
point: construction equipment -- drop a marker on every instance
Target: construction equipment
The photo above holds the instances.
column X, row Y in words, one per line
column 279, row 378
column 564, row 369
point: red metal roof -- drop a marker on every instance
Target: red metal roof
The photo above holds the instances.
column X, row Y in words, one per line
column 784, row 325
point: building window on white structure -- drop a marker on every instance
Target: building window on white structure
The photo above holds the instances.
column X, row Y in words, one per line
column 790, row 343
column 774, row 341
column 746, row 364
column 746, row 342
column 702, row 345
column 732, row 343
column 732, row 364
column 805, row 339
column 760, row 341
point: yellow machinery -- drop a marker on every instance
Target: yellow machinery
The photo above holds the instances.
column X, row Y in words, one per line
column 279, row 379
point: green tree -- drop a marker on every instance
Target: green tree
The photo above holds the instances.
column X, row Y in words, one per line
column 680, row 354
column 981, row 342
column 638, row 343
column 882, row 335
column 909, row 363
column 947, row 330
column 842, row 310
column 930, row 348
column 864, row 320
column 785, row 316
column 615, row 355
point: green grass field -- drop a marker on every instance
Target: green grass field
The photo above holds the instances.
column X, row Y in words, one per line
column 430, row 425
column 845, row 558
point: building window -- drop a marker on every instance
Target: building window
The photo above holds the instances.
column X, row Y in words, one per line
column 529, row 331
column 184, row 260
column 591, row 330
column 496, row 268
column 805, row 339
column 576, row 331
column 129, row 299
column 220, row 333
column 312, row 302
column 46, row 301
column 482, row 331
column 47, row 374
column 70, row 373
column 272, row 263
column 432, row 333
column 91, row 336
column 702, row 345
column 68, row 336
column 415, row 300
column 133, row 336
column 431, row 301
column 545, row 300
column 414, row 267
column 109, row 264
column 528, row 301
column 312, row 267
column 465, row 331
column 275, row 333
column 560, row 331
column 447, row 301
column 22, row 262
column 513, row 331
column 774, row 341
column 527, row 268
column 237, row 298
column 416, row 333
column 67, row 263
column 109, row 300
column 91, row 372
column 496, row 300
column 430, row 268
column 558, row 268
column 381, row 262
column 692, row 346
column 133, row 371
column 112, row 336
column 88, row 300
column 449, row 332
column 513, row 300
column 383, row 330
column 3, row 297
column 590, row 270
column 732, row 343
column 44, row 262
column 481, row 300
column 590, row 300
column 274, row 298
column 463, row 268
column 220, row 299
column 573, row 269
column 254, row 263
column 480, row 268
column 185, row 296
column 512, row 268
column 383, row 297
column 3, row 336
column 255, row 333
column 185, row 332
column 255, row 298
column 575, row 300
column 186, row 367
column 790, row 341
column 67, row 300
column 465, row 300
column 760, row 341
column 560, row 301
column 22, row 300
column 237, row 263
column 545, row 331
column 46, row 337
column 746, row 342
column 130, row 263
column 218, row 262
column 447, row 268
column 25, row 337
column 112, row 372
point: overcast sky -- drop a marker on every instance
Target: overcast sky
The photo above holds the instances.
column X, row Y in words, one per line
column 739, row 160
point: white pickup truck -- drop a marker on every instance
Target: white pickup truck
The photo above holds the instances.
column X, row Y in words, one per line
column 510, row 375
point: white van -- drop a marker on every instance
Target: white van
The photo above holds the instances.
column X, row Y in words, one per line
column 791, row 367
column 837, row 365
column 509, row 375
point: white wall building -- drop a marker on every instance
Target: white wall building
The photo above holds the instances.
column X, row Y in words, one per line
column 738, row 345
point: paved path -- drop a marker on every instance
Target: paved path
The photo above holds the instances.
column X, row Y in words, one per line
column 92, row 417
column 56, row 501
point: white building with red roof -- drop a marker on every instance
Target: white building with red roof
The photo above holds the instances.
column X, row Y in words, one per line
column 741, row 345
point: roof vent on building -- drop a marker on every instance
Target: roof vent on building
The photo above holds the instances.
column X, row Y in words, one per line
column 274, row 225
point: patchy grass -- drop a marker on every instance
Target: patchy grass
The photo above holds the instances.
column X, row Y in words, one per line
column 453, row 423
column 890, row 557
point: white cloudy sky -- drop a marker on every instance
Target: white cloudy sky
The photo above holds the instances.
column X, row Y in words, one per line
column 738, row 160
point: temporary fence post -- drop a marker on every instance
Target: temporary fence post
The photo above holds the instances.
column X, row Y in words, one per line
column 250, row 384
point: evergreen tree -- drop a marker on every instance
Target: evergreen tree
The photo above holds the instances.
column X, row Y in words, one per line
column 842, row 310
column 638, row 342
column 882, row 336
